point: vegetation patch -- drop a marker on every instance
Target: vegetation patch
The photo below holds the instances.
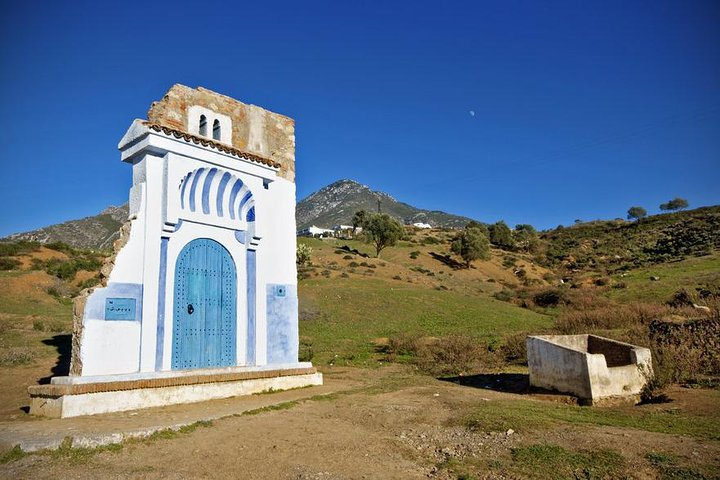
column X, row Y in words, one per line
column 524, row 415
column 555, row 462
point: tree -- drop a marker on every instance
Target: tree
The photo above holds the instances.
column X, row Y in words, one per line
column 381, row 230
column 358, row 219
column 636, row 213
column 471, row 244
column 676, row 203
column 501, row 235
column 526, row 238
column 480, row 226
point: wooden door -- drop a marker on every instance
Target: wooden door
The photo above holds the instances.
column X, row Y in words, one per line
column 204, row 323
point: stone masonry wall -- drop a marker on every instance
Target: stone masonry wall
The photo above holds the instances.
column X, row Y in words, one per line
column 277, row 132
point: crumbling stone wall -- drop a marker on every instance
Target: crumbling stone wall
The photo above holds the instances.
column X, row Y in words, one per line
column 277, row 132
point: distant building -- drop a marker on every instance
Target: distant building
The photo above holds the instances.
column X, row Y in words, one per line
column 421, row 225
column 313, row 231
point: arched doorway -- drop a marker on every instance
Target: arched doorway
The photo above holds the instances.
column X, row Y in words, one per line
column 204, row 318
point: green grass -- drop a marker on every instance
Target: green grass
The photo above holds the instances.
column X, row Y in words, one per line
column 524, row 415
column 687, row 274
column 12, row 455
column 352, row 312
column 554, row 462
column 669, row 468
column 271, row 408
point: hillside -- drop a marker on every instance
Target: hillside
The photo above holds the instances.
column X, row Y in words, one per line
column 97, row 232
column 331, row 205
column 617, row 245
column 337, row 203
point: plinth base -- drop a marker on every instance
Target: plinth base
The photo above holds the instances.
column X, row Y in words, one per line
column 76, row 396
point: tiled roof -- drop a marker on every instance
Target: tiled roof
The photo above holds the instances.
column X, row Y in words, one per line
column 207, row 142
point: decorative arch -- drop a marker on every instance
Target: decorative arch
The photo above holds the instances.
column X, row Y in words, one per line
column 213, row 191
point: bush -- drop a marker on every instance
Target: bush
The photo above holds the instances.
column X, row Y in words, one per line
column 348, row 257
column 11, row 357
column 414, row 255
column 514, row 348
column 454, row 355
column 303, row 254
column 7, row 263
column 504, row 295
column 548, row 298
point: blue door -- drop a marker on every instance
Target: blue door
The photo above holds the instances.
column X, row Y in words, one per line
column 204, row 325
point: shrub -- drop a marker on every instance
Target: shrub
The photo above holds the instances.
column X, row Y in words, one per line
column 504, row 295
column 414, row 255
column 348, row 257
column 509, row 262
column 397, row 277
column 548, row 298
column 303, row 254
column 10, row 357
column 403, row 344
column 455, row 354
column 8, row 263
column 514, row 348
column 353, row 264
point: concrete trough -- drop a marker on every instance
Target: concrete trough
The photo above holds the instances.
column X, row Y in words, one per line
column 594, row 369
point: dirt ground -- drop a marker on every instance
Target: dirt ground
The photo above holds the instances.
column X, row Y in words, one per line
column 392, row 424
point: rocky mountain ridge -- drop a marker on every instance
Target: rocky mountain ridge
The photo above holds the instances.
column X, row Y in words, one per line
column 331, row 205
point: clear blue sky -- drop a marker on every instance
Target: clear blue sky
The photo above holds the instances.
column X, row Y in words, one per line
column 581, row 109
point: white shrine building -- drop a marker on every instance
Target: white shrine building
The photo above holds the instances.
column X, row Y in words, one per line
column 200, row 300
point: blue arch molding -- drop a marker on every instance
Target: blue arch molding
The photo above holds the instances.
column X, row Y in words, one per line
column 199, row 186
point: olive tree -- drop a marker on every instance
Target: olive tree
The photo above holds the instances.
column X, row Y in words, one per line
column 676, row 203
column 471, row 244
column 381, row 230
column 636, row 213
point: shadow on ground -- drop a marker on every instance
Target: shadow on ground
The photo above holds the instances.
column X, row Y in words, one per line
column 501, row 382
column 63, row 345
column 447, row 260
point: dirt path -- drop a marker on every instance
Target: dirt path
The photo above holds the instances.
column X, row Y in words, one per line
column 393, row 424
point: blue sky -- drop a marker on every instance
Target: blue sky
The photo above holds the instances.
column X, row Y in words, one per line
column 531, row 112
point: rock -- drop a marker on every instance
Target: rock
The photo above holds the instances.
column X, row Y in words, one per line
column 654, row 279
column 510, row 432
column 701, row 307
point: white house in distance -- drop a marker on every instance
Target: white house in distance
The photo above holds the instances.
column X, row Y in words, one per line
column 421, row 225
column 200, row 300
column 313, row 231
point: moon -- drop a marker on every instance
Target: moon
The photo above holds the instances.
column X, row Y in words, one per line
column 472, row 113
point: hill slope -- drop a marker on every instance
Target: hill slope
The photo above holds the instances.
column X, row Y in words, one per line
column 96, row 232
column 338, row 202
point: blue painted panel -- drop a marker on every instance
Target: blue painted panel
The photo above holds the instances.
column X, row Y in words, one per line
column 282, row 324
column 233, row 196
column 204, row 317
column 206, row 190
column 251, row 304
column 196, row 179
column 95, row 306
column 120, row 308
column 162, row 285
column 221, row 192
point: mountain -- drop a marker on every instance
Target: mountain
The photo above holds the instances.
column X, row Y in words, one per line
column 337, row 203
column 331, row 205
column 97, row 232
